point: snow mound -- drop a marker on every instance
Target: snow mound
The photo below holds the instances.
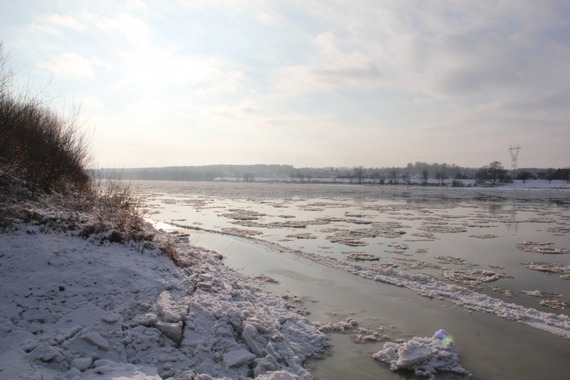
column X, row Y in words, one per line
column 79, row 308
column 424, row 356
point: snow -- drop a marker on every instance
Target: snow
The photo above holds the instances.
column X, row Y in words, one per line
column 79, row 308
column 536, row 184
column 424, row 356
column 75, row 308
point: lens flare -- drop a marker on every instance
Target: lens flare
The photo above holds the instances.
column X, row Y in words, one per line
column 444, row 337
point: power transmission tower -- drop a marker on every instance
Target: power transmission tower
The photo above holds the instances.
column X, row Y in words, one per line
column 514, row 157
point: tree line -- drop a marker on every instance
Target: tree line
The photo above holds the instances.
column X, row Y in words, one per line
column 420, row 173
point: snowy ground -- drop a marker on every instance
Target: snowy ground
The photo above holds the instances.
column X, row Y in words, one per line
column 88, row 308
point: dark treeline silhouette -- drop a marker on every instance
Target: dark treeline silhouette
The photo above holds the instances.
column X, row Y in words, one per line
column 549, row 174
column 197, row 173
column 419, row 173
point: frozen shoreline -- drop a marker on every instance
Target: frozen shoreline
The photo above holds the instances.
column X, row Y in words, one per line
column 427, row 286
column 76, row 308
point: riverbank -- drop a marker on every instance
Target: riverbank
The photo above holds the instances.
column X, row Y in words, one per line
column 81, row 308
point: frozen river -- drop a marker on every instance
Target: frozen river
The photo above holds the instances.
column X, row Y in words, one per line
column 332, row 246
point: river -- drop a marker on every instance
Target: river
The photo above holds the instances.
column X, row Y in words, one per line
column 488, row 240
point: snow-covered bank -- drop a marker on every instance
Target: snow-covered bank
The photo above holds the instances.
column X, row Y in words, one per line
column 76, row 308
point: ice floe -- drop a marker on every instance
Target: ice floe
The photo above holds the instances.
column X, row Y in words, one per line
column 423, row 356
column 563, row 270
column 472, row 277
column 542, row 248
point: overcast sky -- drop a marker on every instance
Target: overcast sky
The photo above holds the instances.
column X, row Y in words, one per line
column 307, row 83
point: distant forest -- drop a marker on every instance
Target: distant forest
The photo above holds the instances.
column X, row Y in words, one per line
column 419, row 172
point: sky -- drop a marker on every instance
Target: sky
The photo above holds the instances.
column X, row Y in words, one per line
column 308, row 83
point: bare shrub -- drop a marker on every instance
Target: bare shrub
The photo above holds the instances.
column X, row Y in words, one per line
column 115, row 205
column 36, row 145
column 44, row 159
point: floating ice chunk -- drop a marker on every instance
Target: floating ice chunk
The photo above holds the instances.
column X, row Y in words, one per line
column 424, row 356
column 412, row 353
column 534, row 293
column 361, row 256
column 472, row 277
column 541, row 247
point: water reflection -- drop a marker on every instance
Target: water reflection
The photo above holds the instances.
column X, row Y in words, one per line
column 494, row 208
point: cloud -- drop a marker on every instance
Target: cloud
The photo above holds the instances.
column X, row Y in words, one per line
column 134, row 29
column 311, row 75
column 548, row 105
column 56, row 23
column 269, row 19
column 332, row 65
column 91, row 104
column 344, row 65
column 157, row 69
column 447, row 48
column 70, row 65
column 64, row 21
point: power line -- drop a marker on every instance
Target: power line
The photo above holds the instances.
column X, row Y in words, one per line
column 514, row 157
